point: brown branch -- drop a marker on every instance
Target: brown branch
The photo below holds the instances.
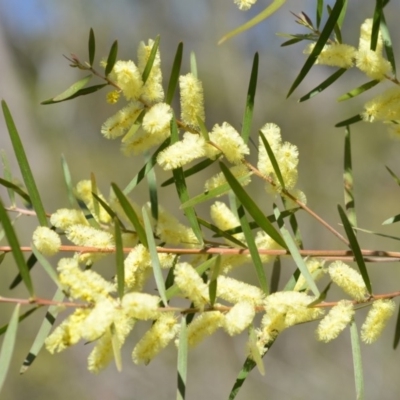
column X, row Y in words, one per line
column 344, row 255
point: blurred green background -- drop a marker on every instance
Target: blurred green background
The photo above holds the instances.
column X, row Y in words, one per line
column 34, row 34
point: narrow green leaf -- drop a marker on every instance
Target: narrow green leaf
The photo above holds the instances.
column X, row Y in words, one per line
column 291, row 41
column 190, row 212
column 193, row 64
column 146, row 168
column 322, row 296
column 221, row 233
column 252, row 207
column 294, row 251
column 153, row 195
column 81, row 92
column 325, row 84
column 16, row 249
column 267, row 12
column 201, row 269
column 150, row 61
column 134, row 127
column 116, row 348
column 349, row 200
column 73, row 89
column 272, row 158
column 336, row 28
column 248, row 366
column 119, row 259
column 15, row 188
column 68, row 181
column 30, row 264
column 96, row 208
column 349, row 121
column 212, row 286
column 24, row 166
column 44, row 330
column 376, row 22
column 210, row 194
column 291, row 283
column 387, row 41
column 8, row 176
column 342, row 14
column 46, row 266
column 319, row 45
column 255, row 256
column 203, row 129
column 276, row 275
column 396, row 338
column 251, row 94
column 182, row 361
column 320, row 10
column 377, row 234
column 192, row 170
column 356, row 249
column 394, row 176
column 130, row 213
column 92, row 47
column 7, row 348
column 357, row 361
column 23, row 316
column 293, row 223
column 175, row 72
column 392, row 220
column 169, row 281
column 112, row 58
column 181, row 188
column 358, row 90
column 154, row 257
column 108, row 210
column 254, row 350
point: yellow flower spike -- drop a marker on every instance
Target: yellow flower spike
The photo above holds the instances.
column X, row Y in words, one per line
column 156, row 338
column 381, row 311
column 348, row 279
column 335, row 321
column 46, row 240
column 192, row 100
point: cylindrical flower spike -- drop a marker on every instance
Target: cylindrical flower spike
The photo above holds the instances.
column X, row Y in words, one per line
column 204, row 325
column 155, row 339
column 191, row 284
column 348, row 279
column 46, row 240
column 381, row 311
column 335, row 321
column 192, row 100
column 236, row 291
column 239, row 318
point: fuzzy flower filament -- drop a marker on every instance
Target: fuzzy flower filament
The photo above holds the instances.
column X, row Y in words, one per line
column 348, row 279
column 192, row 100
column 191, row 284
column 381, row 311
column 335, row 321
column 46, row 240
column 156, row 338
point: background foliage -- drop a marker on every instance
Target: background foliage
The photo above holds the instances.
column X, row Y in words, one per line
column 33, row 37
